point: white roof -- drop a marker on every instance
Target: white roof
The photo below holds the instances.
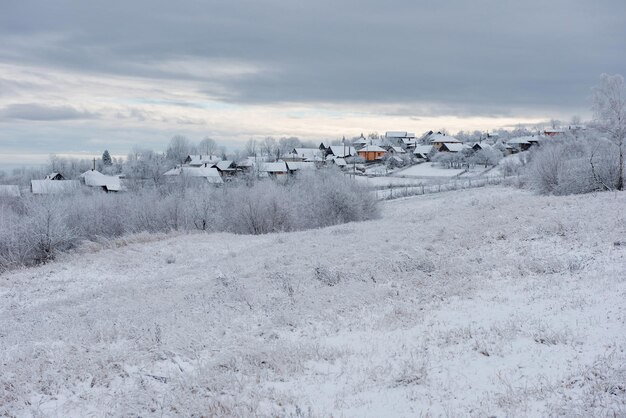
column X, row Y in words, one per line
column 447, row 139
column 224, row 165
column 198, row 160
column 399, row 150
column 94, row 178
column 51, row 176
column 522, row 140
column 307, row 153
column 9, row 191
column 300, row 165
column 340, row 162
column 277, row 167
column 423, row 149
column 359, row 141
column 342, row 151
column 372, row 148
column 482, row 145
column 399, row 134
column 54, row 186
column 454, row 147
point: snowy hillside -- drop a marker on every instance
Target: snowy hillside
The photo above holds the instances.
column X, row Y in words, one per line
column 482, row 302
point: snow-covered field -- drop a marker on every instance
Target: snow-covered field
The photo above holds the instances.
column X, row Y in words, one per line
column 428, row 170
column 484, row 302
column 386, row 181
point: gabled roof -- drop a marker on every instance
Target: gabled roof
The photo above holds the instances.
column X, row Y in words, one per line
column 307, row 153
column 441, row 138
column 372, row 148
column 300, row 165
column 94, row 178
column 453, row 147
column 54, row 186
column 51, row 176
column 277, row 167
column 341, row 162
column 481, row 145
column 198, row 160
column 399, row 150
column 9, row 191
column 400, row 134
column 423, row 149
column 224, row 165
column 342, row 151
column 522, row 140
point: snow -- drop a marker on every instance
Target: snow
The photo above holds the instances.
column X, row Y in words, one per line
column 342, row 151
column 441, row 138
column 372, row 148
column 9, row 190
column 513, row 306
column 95, row 178
column 54, row 186
column 428, row 170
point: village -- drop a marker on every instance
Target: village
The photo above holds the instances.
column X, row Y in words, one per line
column 394, row 155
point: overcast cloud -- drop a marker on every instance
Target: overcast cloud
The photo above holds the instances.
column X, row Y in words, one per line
column 315, row 69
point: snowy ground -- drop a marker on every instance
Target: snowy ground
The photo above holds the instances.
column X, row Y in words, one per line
column 386, row 181
column 485, row 302
column 428, row 170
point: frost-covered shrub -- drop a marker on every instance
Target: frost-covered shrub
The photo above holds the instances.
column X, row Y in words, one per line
column 573, row 166
column 36, row 228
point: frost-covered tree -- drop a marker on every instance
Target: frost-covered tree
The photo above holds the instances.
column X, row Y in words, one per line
column 208, row 146
column 178, row 149
column 106, row 158
column 609, row 106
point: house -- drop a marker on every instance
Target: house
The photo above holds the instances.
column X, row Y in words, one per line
column 406, row 139
column 55, row 176
column 341, row 151
column 204, row 173
column 553, row 132
column 371, row 152
column 423, row 151
column 295, row 166
column 226, row 168
column 359, row 142
column 94, row 178
column 46, row 186
column 277, row 169
column 451, row 147
column 478, row 146
column 394, row 150
column 200, row 160
column 522, row 143
column 305, row 154
column 9, row 191
column 438, row 139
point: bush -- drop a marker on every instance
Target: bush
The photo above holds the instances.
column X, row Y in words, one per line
column 573, row 166
column 37, row 228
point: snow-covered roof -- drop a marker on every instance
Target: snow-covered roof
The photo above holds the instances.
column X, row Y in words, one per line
column 481, row 145
column 94, row 178
column 210, row 174
column 9, row 190
column 423, row 149
column 526, row 140
column 341, row 162
column 300, row 165
column 454, row 147
column 307, row 153
column 198, row 160
column 400, row 134
column 399, row 150
column 359, row 141
column 342, row 151
column 277, row 167
column 54, row 186
column 372, row 148
column 224, row 165
column 441, row 138
column 51, row 176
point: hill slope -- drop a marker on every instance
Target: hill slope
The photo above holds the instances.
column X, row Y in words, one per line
column 480, row 302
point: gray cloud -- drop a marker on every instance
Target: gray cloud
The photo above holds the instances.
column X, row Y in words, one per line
column 482, row 57
column 37, row 112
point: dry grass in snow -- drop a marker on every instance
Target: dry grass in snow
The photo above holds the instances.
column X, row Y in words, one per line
column 471, row 303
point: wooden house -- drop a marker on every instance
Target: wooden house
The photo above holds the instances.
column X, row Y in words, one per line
column 371, row 153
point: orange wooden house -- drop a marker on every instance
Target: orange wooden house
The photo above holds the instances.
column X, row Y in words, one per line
column 371, row 152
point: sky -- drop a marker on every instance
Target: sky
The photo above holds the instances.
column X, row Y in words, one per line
column 78, row 77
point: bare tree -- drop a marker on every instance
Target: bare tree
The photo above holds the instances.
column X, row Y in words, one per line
column 609, row 106
column 208, row 146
